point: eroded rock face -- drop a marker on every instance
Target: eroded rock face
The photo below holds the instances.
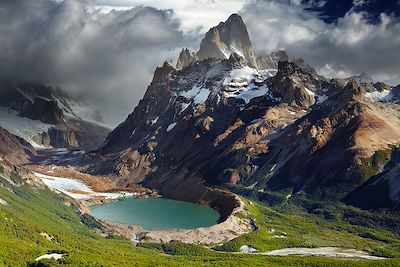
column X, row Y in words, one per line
column 295, row 84
column 15, row 149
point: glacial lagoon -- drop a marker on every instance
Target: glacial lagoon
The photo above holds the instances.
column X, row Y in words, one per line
column 157, row 214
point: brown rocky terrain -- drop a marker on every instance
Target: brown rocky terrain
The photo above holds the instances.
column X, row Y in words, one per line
column 15, row 149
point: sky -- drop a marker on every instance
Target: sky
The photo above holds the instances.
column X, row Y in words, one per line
column 106, row 51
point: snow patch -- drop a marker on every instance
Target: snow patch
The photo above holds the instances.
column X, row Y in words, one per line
column 311, row 93
column 54, row 256
column 154, row 121
column 247, row 249
column 244, row 74
column 202, row 96
column 198, row 94
column 22, row 127
column 171, row 126
column 47, row 236
column 191, row 93
column 376, row 95
column 3, row 202
column 76, row 189
column 324, row 251
column 241, row 83
column 321, row 99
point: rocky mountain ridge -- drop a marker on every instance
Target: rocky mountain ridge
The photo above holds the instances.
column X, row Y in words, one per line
column 47, row 117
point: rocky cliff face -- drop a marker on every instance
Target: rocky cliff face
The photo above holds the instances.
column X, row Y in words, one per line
column 224, row 121
column 186, row 57
column 14, row 149
column 52, row 120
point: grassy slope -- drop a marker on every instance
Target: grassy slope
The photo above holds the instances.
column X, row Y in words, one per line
column 32, row 211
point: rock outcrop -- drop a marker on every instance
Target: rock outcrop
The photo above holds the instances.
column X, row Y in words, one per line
column 15, row 149
column 186, row 57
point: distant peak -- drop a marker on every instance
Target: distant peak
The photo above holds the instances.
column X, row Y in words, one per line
column 186, row 57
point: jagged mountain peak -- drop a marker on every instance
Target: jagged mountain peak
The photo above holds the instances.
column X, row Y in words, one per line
column 186, row 57
column 161, row 72
column 228, row 37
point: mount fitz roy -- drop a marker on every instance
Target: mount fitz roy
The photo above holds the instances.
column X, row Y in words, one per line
column 224, row 116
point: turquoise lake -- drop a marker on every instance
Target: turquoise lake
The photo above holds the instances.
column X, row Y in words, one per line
column 157, row 214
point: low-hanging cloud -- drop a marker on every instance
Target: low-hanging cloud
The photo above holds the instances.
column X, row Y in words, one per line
column 106, row 58
column 349, row 46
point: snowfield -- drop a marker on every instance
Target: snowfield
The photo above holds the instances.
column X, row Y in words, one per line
column 76, row 189
column 198, row 94
column 171, row 126
column 378, row 96
column 54, row 256
column 323, row 251
column 22, row 127
column 241, row 83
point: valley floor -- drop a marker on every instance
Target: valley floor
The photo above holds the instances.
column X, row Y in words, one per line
column 36, row 222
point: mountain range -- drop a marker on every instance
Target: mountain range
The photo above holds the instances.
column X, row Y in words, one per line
column 223, row 116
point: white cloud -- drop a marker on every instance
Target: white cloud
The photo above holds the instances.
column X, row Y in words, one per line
column 348, row 47
column 192, row 13
column 109, row 59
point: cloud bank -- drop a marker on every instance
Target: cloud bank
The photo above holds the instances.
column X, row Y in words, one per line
column 106, row 58
column 345, row 47
column 195, row 15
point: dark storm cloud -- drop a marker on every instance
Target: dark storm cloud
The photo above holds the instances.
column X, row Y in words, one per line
column 108, row 58
column 346, row 47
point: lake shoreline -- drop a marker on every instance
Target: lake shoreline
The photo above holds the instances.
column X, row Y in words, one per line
column 227, row 230
column 229, row 225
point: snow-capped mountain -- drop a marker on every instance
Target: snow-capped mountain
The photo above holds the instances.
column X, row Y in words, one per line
column 46, row 117
column 226, row 120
